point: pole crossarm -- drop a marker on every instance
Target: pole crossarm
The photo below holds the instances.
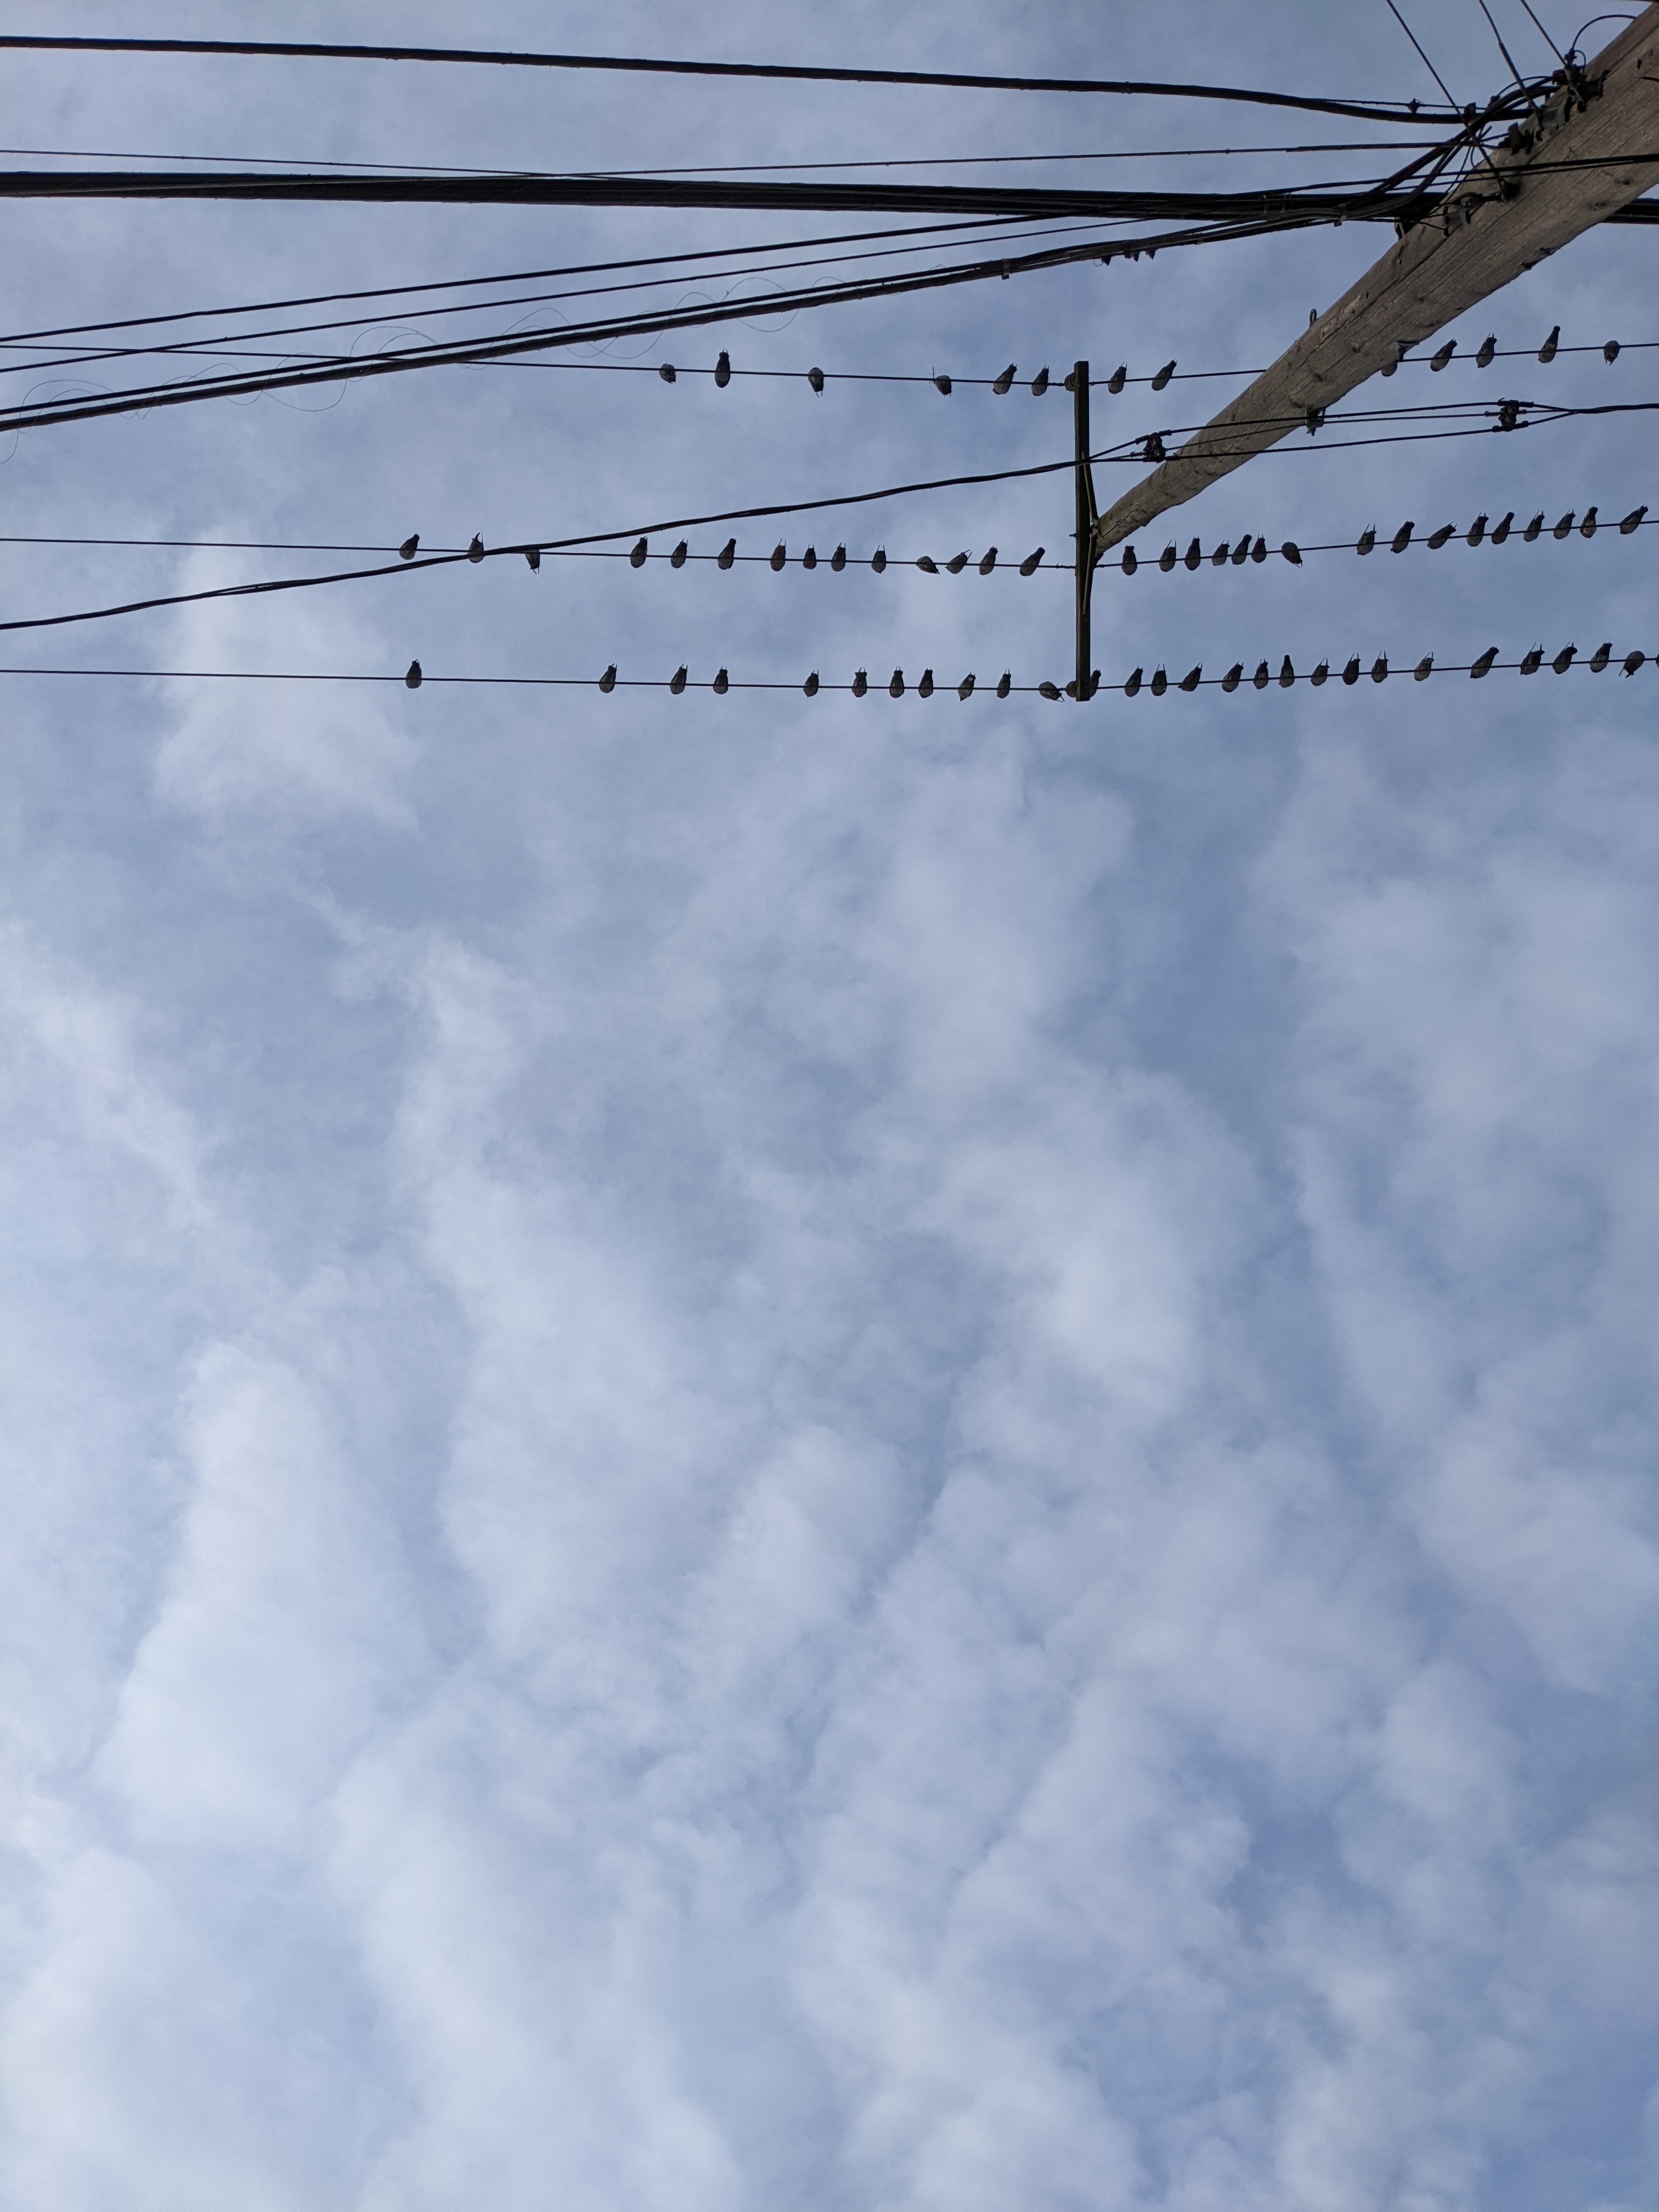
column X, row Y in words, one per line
column 1523, row 202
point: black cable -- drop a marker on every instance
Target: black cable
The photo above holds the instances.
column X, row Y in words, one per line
column 1363, row 110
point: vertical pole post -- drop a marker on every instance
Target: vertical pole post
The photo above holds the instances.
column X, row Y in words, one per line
column 1087, row 516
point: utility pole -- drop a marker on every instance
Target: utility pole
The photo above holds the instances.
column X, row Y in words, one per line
column 1592, row 149
column 1088, row 522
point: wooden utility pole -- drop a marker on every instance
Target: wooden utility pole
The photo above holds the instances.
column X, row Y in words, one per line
column 1593, row 149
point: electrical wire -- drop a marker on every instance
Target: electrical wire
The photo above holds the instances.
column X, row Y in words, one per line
column 1363, row 110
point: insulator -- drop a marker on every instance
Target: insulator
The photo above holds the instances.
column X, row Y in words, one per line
column 1167, row 559
column 1234, row 676
column 635, row 559
column 410, row 547
column 1048, row 690
column 728, row 554
column 809, row 559
column 1441, row 537
column 988, row 560
column 925, row 688
column 723, row 369
column 942, row 383
column 1476, row 531
column 1632, row 662
column 965, row 688
column 1503, row 528
column 532, row 554
column 608, row 681
column 956, row 563
column 1402, row 537
column 1533, row 528
column 860, row 685
column 1610, row 351
column 1483, row 666
column 412, row 676
column 1160, row 681
column 1153, row 448
column 1193, row 555
column 666, row 371
column 810, row 686
column 1130, row 563
column 1259, row 550
column 676, row 558
column 1508, row 414
column 1240, row 552
column 1532, row 661
column 475, row 550
column 815, row 377
column 1314, row 420
column 1163, row 376
column 779, row 554
column 1292, row 552
column 1367, row 540
column 1632, row 521
column 879, row 560
column 1546, row 351
column 1564, row 658
column 1286, row 674
column 1005, row 382
column 1192, row 678
column 838, row 559
column 1119, row 378
column 1032, row 561
column 1321, row 675
column 1004, row 683
column 895, row 684
column 676, row 681
column 1488, row 352
column 1564, row 527
column 722, row 681
column 1587, row 527
column 927, row 565
column 1599, row 658
column 1424, row 669
column 1218, row 558
column 1040, row 383
column 1380, row 669
column 1133, row 684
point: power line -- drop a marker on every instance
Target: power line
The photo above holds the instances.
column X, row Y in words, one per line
column 1363, row 110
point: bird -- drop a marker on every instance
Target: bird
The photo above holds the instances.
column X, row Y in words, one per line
column 635, row 559
column 1005, row 382
column 1040, row 383
column 1129, row 563
column 676, row 558
column 1441, row 537
column 608, row 681
column 1234, row 676
column 1610, row 351
column 1503, row 528
column 987, row 561
column 723, row 369
column 942, row 383
column 779, row 554
column 1192, row 679
column 1351, row 673
column 410, row 547
column 1564, row 527
column 1599, row 658
column 1564, row 658
column 1402, row 536
column 1262, row 677
column 1380, row 669
column 726, row 555
column 1004, row 683
column 1286, row 674
column 721, row 681
column 1163, row 376
column 1367, row 540
column 1160, row 681
column 815, row 377
column 1259, row 550
column 412, row 676
column 1167, row 559
column 676, row 681
column 879, row 560
column 1218, row 558
column 838, row 559
column 1546, row 351
column 475, row 551
column 532, row 554
column 895, row 684
column 925, row 688
column 1194, row 554
column 956, row 563
column 1533, row 528
column 1119, row 378
column 927, row 565
column 860, row 685
column 1587, row 527
column 1633, row 521
column 1048, row 690
column 1632, row 662
column 1477, row 530
column 965, row 688
column 1240, row 552
column 1032, row 561
column 1532, row 661
column 1322, row 674
column 1488, row 352
column 1292, row 552
column 1424, row 669
column 1132, row 683
column 1483, row 666
column 666, row 371
column 810, row 686
column 809, row 559
column 1445, row 355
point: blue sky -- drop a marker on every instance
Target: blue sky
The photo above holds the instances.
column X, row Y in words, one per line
column 766, row 1452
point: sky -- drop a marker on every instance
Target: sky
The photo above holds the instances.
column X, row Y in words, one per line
column 762, row 1452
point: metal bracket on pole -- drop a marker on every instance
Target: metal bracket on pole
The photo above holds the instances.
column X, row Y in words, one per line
column 1088, row 519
